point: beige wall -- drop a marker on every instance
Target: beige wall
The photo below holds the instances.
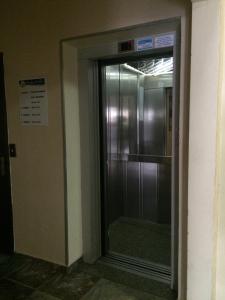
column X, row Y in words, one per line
column 219, row 270
column 30, row 33
column 203, row 134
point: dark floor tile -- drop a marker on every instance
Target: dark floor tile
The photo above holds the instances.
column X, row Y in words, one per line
column 108, row 290
column 4, row 258
column 41, row 296
column 35, row 273
column 9, row 264
column 129, row 279
column 145, row 240
column 70, row 286
column 13, row 291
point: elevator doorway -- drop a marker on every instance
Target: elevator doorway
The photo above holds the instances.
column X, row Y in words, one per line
column 137, row 162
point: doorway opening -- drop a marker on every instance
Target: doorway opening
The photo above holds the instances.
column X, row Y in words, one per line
column 138, row 162
column 6, row 222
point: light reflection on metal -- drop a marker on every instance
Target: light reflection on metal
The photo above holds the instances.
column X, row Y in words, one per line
column 113, row 114
column 153, row 67
column 150, row 115
column 133, row 69
column 125, row 113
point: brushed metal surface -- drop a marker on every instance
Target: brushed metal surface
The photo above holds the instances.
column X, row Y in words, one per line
column 132, row 201
column 128, row 110
column 138, row 145
column 115, row 197
column 154, row 122
column 149, row 187
column 164, row 189
column 112, row 109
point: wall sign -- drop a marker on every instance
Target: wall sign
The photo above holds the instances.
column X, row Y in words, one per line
column 155, row 41
column 33, row 101
column 164, row 40
column 144, row 43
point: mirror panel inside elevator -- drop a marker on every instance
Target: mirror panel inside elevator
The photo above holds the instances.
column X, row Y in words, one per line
column 137, row 121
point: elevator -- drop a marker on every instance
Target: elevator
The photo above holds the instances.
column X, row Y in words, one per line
column 136, row 121
column 124, row 151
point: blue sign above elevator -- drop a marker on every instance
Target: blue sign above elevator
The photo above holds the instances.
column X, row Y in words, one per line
column 144, row 43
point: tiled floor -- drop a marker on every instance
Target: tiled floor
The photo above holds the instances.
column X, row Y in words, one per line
column 26, row 278
column 145, row 240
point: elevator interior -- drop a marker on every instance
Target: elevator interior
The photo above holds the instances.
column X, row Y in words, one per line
column 137, row 121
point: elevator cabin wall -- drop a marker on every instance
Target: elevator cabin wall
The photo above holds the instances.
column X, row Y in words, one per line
column 139, row 128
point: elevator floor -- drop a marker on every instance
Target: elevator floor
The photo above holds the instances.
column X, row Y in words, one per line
column 23, row 277
column 144, row 240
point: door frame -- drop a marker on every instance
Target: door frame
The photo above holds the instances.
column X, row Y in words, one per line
column 8, row 247
column 79, row 67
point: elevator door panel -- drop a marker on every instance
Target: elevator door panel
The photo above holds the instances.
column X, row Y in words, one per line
column 138, row 152
column 128, row 111
column 164, row 189
column 112, row 110
column 154, row 122
column 149, row 191
column 132, row 200
column 115, row 188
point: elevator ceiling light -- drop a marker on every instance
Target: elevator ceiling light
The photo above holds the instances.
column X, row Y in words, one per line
column 133, row 69
column 153, row 67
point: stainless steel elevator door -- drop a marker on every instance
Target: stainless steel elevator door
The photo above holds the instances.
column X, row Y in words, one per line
column 154, row 127
column 137, row 126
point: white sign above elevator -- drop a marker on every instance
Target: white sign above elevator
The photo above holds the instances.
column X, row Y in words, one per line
column 148, row 42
